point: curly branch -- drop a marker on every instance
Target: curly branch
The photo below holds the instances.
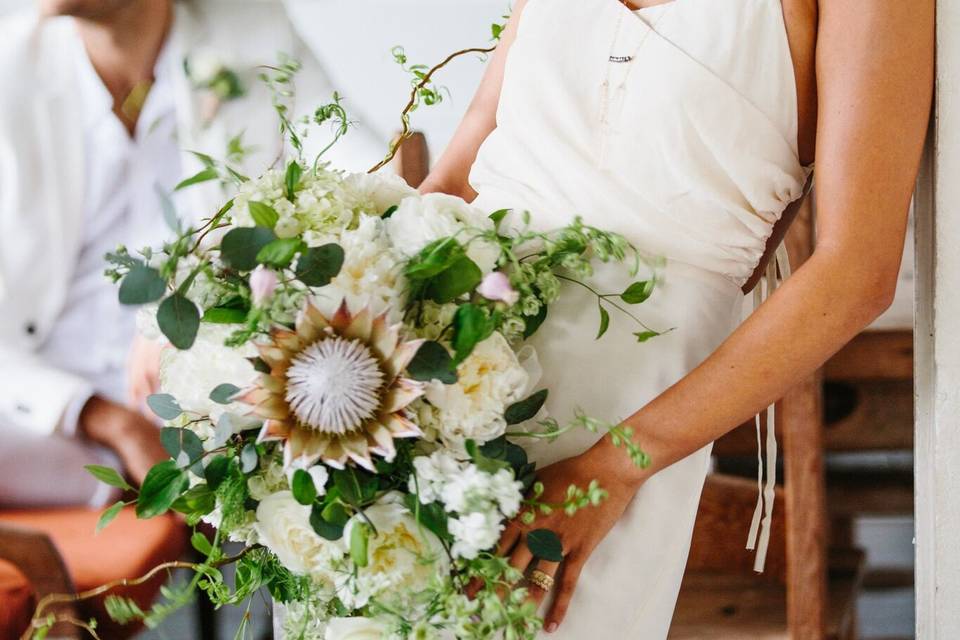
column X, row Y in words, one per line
column 411, row 105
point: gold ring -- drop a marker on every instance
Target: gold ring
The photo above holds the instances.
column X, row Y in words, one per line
column 541, row 580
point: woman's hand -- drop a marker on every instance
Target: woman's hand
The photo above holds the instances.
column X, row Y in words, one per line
column 579, row 534
column 143, row 372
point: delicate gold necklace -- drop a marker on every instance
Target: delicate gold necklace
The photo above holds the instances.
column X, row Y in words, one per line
column 132, row 105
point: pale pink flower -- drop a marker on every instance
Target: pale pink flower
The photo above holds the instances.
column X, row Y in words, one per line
column 496, row 286
column 263, row 282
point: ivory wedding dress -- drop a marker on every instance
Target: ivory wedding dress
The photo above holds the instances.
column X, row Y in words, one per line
column 676, row 126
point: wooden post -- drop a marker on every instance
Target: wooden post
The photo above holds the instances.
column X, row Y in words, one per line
column 800, row 415
column 937, row 348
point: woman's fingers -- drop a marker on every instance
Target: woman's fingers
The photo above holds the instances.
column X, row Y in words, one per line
column 509, row 538
column 521, row 557
column 566, row 585
column 537, row 591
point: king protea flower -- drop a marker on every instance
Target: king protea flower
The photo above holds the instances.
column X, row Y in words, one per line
column 336, row 391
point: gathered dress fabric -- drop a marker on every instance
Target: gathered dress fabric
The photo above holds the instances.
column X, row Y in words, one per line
column 688, row 149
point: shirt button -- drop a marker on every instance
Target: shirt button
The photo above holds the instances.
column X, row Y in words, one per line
column 30, row 328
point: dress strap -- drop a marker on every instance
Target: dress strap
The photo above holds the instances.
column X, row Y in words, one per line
column 759, row 536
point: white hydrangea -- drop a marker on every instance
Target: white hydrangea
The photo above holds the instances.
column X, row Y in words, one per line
column 481, row 500
column 489, row 380
column 372, row 273
column 189, row 376
column 420, row 220
column 404, row 558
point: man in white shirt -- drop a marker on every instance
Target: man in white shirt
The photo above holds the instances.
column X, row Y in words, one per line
column 98, row 101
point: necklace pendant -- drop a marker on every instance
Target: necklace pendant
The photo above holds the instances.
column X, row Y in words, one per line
column 621, row 59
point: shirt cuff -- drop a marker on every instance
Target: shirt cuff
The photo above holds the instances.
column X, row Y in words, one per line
column 70, row 420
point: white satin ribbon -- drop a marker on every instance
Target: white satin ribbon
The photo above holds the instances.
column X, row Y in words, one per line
column 759, row 536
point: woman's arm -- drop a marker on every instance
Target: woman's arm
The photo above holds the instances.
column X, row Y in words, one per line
column 450, row 173
column 874, row 79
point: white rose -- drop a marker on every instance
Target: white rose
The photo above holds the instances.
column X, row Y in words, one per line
column 403, row 556
column 355, row 629
column 374, row 193
column 424, row 219
column 189, row 376
column 283, row 526
column 489, row 381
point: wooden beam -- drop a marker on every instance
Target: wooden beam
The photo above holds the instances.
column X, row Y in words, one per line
column 874, row 355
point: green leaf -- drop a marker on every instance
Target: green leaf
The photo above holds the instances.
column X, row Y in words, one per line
column 328, row 521
column 108, row 476
column 201, row 543
column 434, row 258
column 141, row 285
column 532, row 323
column 179, row 320
column 239, row 248
column 279, row 253
column 389, row 212
column 263, row 214
column 643, row 336
column 638, row 292
column 459, row 278
column 162, row 486
column 225, row 315
column 432, row 362
column 177, row 441
column 604, row 321
column 432, row 516
column 109, row 515
column 359, row 536
column 249, row 458
column 216, row 471
column 545, row 544
column 471, row 326
column 168, row 208
column 317, row 266
column 304, row 491
column 197, row 501
column 206, row 175
column 224, row 393
column 164, row 406
column 498, row 216
column 525, row 409
column 292, row 179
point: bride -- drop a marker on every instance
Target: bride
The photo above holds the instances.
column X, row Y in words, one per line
column 689, row 127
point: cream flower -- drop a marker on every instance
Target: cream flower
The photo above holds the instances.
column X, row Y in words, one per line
column 283, row 526
column 489, row 380
column 403, row 556
column 374, row 193
column 421, row 220
column 355, row 629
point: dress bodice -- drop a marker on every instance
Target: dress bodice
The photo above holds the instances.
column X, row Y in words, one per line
column 676, row 126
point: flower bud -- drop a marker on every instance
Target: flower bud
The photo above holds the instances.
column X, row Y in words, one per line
column 263, row 282
column 496, row 286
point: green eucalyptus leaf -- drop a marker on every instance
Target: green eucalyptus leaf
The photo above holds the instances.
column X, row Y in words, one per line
column 206, row 175
column 604, row 321
column 224, row 393
column 317, row 266
column 109, row 515
column 279, row 253
column 638, row 292
column 179, row 320
column 461, row 277
column 225, row 315
column 249, row 458
column 162, row 486
column 526, row 409
column 304, row 491
column 108, row 476
column 164, row 405
column 239, row 247
column 545, row 544
column 182, row 441
column 141, row 285
column 432, row 362
column 263, row 214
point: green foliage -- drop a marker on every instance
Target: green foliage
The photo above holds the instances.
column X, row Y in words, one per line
column 471, row 326
column 359, row 538
column 164, row 406
column 317, row 266
column 460, row 277
column 224, row 393
column 263, row 214
column 279, row 253
column 526, row 409
column 205, row 175
column 304, row 491
column 328, row 520
column 240, row 246
column 291, row 179
column 109, row 476
column 141, row 285
column 638, row 292
column 179, row 320
column 109, row 515
column 162, row 486
column 225, row 315
column 217, row 470
column 545, row 544
column 432, row 362
column 604, row 321
column 183, row 445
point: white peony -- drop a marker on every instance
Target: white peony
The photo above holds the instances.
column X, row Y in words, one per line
column 189, row 376
column 375, row 193
column 355, row 629
column 404, row 557
column 489, row 380
column 372, row 273
column 283, row 526
column 420, row 220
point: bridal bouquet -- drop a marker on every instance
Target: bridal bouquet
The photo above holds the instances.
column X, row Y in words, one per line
column 347, row 381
